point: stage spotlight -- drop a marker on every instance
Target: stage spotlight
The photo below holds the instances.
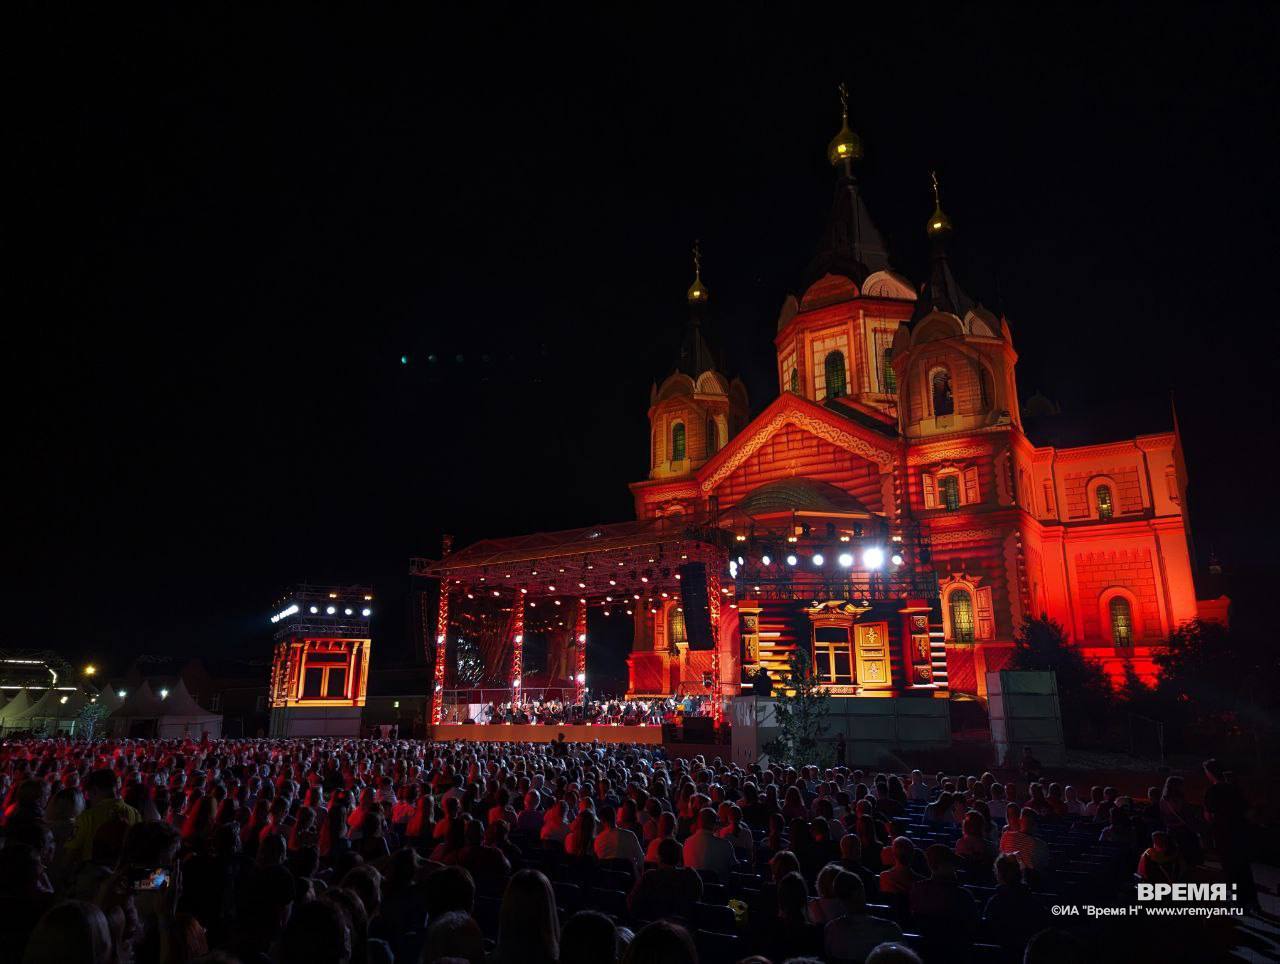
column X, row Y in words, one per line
column 873, row 558
column 817, row 559
column 366, row 612
column 164, row 694
column 791, row 560
column 315, row 609
column 120, row 693
column 347, row 612
column 765, row 560
column 733, row 569
column 896, row 558
column 330, row 610
column 742, row 561
column 582, row 677
column 846, row 559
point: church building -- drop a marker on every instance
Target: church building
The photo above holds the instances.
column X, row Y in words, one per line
column 893, row 514
column 897, row 411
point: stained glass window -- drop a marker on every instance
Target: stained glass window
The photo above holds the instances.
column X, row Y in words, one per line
column 1103, row 496
column 949, row 492
column 890, row 378
column 677, row 442
column 961, row 604
column 1121, row 621
column 836, row 386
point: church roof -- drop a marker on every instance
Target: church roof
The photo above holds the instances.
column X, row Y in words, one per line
column 851, row 246
column 695, row 354
column 941, row 292
column 797, row 495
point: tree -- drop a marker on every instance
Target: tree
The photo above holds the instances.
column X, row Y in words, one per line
column 91, row 714
column 1220, row 683
column 1085, row 697
column 802, row 705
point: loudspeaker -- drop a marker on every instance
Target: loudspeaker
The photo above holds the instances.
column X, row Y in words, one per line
column 699, row 729
column 697, row 614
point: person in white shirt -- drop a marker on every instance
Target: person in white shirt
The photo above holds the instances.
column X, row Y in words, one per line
column 613, row 842
column 734, row 830
column 705, row 851
column 1075, row 806
column 1019, row 838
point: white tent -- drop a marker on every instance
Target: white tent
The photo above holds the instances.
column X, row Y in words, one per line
column 110, row 697
column 182, row 716
column 56, row 710
column 135, row 715
column 165, row 709
column 14, row 709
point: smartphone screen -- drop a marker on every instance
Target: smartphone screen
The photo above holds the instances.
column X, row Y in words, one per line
column 156, row 879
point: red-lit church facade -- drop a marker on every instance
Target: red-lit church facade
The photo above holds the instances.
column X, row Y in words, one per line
column 886, row 510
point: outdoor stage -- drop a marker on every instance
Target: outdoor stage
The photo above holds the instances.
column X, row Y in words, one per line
column 541, row 733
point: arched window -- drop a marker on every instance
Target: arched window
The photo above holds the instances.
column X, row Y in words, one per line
column 949, row 492
column 675, row 627
column 940, row 383
column 984, row 387
column 677, row 442
column 836, row 387
column 960, row 605
column 889, row 380
column 1121, row 621
column 795, row 380
column 1102, row 497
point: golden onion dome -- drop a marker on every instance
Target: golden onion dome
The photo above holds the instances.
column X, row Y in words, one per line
column 697, row 293
column 939, row 223
column 846, row 145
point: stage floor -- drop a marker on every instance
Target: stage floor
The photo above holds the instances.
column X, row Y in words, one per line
column 538, row 733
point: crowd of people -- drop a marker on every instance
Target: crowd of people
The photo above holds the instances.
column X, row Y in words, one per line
column 333, row 851
column 556, row 712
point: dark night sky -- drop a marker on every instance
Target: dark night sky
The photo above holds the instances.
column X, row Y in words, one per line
column 225, row 229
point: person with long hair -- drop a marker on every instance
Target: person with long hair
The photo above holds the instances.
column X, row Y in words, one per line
column 554, row 825
column 582, row 835
column 334, row 841
column 447, row 851
column 418, row 832
column 793, row 807
column 199, row 824
column 790, row 934
column 528, row 923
